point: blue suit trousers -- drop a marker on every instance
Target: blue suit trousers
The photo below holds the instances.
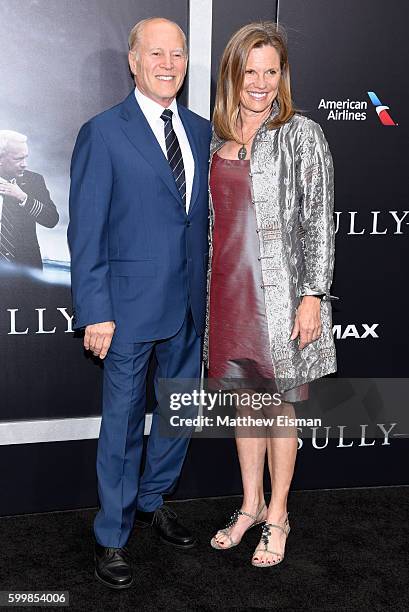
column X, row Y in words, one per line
column 121, row 487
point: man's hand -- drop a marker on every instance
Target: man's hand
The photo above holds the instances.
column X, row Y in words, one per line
column 98, row 338
column 12, row 190
column 307, row 321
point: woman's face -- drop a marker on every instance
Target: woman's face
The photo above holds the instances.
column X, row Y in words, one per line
column 261, row 79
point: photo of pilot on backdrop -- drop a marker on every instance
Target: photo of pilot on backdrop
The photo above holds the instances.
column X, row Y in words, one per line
column 24, row 202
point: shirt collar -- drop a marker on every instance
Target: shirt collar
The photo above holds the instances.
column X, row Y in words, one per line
column 151, row 109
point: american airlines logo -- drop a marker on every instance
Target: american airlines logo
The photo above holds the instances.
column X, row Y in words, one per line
column 355, row 110
column 359, row 332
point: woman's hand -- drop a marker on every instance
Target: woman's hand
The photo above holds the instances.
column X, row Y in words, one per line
column 307, row 321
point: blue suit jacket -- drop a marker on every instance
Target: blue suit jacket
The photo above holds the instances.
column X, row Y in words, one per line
column 136, row 256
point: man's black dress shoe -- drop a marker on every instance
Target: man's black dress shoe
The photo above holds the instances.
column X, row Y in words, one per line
column 165, row 522
column 112, row 566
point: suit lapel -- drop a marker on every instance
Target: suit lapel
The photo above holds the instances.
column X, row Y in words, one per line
column 195, row 152
column 139, row 133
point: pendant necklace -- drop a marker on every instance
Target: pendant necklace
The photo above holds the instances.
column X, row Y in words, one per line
column 242, row 152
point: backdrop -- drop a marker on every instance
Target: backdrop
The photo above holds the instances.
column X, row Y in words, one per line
column 63, row 61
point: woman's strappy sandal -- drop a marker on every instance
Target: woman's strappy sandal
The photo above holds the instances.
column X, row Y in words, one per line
column 265, row 534
column 233, row 520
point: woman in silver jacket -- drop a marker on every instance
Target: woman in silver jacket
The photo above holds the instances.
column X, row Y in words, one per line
column 271, row 260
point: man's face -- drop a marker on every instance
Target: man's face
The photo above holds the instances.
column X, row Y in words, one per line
column 159, row 62
column 13, row 162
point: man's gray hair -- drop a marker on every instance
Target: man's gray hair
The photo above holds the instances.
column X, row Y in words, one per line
column 135, row 34
column 7, row 136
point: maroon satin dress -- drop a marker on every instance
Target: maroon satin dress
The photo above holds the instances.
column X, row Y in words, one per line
column 239, row 345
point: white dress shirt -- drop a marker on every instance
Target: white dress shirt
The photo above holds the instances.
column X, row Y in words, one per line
column 152, row 111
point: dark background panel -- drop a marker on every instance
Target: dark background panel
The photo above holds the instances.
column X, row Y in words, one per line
column 339, row 51
column 61, row 475
column 343, row 49
column 46, row 375
column 43, row 375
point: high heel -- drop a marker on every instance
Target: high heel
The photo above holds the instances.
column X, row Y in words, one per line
column 232, row 521
column 265, row 535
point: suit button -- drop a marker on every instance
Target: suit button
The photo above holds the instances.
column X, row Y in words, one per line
column 188, row 224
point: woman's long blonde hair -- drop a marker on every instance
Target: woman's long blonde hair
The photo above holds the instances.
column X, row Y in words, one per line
column 232, row 71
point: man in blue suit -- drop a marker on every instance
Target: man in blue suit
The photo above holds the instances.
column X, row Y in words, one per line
column 138, row 240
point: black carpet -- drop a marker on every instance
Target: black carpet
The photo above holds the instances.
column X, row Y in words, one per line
column 347, row 551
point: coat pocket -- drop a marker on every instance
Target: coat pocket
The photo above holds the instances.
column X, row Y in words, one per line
column 140, row 267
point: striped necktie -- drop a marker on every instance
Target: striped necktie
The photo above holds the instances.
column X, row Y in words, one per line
column 174, row 152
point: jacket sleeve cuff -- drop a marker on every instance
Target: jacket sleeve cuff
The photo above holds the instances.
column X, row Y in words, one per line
column 324, row 295
column 82, row 319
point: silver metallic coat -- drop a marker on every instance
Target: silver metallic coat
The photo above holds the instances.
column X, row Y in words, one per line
column 292, row 184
